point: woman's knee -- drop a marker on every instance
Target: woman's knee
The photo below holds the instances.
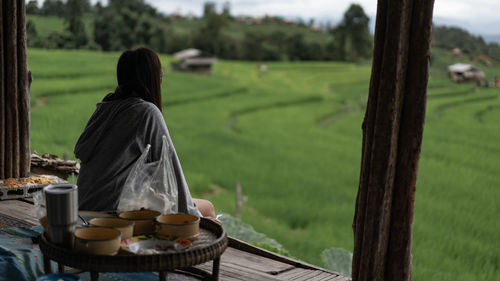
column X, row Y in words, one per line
column 205, row 207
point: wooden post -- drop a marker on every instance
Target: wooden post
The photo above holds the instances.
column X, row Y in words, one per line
column 14, row 97
column 392, row 136
column 24, row 85
column 2, row 96
column 240, row 200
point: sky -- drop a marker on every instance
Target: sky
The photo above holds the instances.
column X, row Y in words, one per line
column 480, row 17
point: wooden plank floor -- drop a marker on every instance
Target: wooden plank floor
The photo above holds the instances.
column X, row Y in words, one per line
column 240, row 261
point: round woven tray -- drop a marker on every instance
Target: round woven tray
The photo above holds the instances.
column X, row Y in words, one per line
column 211, row 243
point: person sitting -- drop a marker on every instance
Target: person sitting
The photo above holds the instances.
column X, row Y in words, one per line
column 119, row 130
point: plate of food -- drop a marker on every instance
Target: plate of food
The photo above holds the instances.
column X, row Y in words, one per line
column 150, row 247
column 29, row 181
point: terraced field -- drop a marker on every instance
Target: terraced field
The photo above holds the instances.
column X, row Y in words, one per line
column 292, row 138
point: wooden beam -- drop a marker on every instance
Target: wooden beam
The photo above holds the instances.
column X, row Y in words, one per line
column 14, row 96
column 2, row 94
column 392, row 136
column 11, row 97
column 23, row 93
column 410, row 139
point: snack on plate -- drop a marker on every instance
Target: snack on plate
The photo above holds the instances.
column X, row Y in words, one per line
column 12, row 183
column 15, row 183
column 148, row 244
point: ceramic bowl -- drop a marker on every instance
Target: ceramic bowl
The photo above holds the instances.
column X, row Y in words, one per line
column 178, row 225
column 144, row 220
column 126, row 227
column 97, row 240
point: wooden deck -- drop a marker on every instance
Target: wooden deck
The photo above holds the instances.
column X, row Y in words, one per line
column 241, row 261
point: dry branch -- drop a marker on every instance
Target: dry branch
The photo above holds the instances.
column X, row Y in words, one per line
column 52, row 162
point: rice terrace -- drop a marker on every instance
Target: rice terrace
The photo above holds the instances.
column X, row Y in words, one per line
column 292, row 138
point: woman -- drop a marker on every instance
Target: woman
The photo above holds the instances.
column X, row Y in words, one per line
column 123, row 124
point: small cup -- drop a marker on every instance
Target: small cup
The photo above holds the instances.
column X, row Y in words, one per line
column 178, row 225
column 97, row 240
column 62, row 212
column 126, row 227
column 144, row 220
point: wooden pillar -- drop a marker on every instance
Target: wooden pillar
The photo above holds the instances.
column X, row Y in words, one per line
column 392, row 137
column 14, row 92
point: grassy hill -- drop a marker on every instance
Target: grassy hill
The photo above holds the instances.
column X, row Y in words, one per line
column 292, row 137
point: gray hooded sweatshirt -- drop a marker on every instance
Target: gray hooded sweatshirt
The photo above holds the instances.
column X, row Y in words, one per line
column 114, row 138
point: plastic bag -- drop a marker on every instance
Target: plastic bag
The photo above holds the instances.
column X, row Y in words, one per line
column 151, row 185
column 39, row 202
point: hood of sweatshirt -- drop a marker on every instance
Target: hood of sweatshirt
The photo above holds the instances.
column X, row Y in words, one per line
column 99, row 123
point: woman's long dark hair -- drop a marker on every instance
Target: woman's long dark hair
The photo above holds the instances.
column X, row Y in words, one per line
column 139, row 74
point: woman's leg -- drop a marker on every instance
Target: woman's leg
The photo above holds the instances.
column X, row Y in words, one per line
column 205, row 207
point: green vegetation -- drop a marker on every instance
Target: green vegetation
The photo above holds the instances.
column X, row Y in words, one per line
column 48, row 24
column 123, row 24
column 455, row 37
column 292, row 137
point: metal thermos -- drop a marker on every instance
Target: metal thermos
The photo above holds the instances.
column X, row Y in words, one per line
column 61, row 201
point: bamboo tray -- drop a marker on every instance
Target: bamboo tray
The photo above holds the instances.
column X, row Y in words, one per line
column 210, row 245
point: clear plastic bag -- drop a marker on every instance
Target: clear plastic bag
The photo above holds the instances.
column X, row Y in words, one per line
column 39, row 202
column 151, row 185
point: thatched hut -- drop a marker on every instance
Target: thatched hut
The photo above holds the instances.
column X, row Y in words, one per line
column 462, row 72
column 193, row 60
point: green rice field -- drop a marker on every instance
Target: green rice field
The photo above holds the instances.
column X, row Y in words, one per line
column 292, row 138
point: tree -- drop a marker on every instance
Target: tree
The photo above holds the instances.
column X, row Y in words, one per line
column 73, row 19
column 297, row 49
column 144, row 30
column 256, row 46
column 32, row 7
column 226, row 10
column 352, row 35
column 31, row 33
column 52, row 8
column 128, row 23
column 106, row 25
column 158, row 40
column 208, row 37
column 209, row 9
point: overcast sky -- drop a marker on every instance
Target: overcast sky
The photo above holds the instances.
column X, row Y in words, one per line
column 477, row 16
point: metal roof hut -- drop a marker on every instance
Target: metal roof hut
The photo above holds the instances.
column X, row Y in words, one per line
column 194, row 60
column 461, row 72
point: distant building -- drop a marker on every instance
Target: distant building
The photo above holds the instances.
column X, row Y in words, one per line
column 456, row 52
column 193, row 60
column 461, row 72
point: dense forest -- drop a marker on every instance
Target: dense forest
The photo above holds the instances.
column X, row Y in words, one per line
column 455, row 37
column 124, row 24
column 128, row 23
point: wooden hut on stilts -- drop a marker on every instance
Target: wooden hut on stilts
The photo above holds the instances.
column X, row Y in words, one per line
column 392, row 130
